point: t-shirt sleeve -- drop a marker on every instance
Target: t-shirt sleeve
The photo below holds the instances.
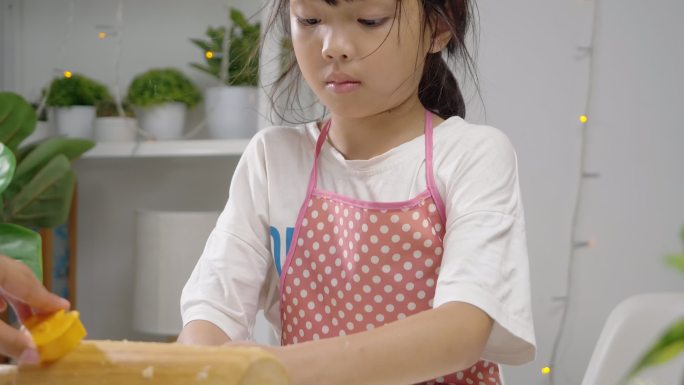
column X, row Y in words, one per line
column 225, row 286
column 485, row 261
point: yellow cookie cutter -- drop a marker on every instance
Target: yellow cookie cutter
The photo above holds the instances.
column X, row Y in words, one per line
column 56, row 334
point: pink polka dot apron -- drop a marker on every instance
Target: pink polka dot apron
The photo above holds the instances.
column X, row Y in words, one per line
column 357, row 265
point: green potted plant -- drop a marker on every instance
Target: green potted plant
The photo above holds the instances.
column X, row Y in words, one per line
column 73, row 99
column 36, row 181
column 231, row 105
column 671, row 342
column 160, row 98
column 115, row 123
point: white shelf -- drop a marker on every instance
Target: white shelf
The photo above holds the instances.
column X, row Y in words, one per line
column 170, row 148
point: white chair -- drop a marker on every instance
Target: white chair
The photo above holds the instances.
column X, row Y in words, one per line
column 630, row 330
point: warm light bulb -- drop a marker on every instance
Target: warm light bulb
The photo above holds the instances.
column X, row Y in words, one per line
column 67, row 74
column 102, row 35
column 209, row 54
column 546, row 370
column 583, row 119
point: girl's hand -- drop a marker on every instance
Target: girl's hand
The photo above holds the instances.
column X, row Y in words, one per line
column 20, row 289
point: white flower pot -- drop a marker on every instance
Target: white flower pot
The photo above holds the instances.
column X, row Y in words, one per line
column 231, row 111
column 75, row 121
column 115, row 129
column 167, row 246
column 163, row 122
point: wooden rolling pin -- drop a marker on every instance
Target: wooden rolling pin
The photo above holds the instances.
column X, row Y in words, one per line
column 143, row 363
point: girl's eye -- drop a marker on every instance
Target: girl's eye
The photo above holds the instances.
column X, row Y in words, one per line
column 308, row 22
column 372, row 22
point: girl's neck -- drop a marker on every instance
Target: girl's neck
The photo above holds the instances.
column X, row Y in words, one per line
column 367, row 137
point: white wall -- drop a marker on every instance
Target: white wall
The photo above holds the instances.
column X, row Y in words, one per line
column 533, row 88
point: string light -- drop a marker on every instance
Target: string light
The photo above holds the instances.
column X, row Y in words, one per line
column 68, row 74
column 584, row 53
column 209, row 54
column 546, row 370
column 102, row 35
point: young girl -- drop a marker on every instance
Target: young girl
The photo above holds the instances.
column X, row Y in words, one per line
column 385, row 244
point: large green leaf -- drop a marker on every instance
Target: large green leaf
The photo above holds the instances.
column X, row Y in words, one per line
column 46, row 199
column 39, row 156
column 23, row 245
column 7, row 166
column 17, row 119
column 668, row 347
column 676, row 261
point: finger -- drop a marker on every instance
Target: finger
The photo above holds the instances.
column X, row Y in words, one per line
column 17, row 282
column 13, row 342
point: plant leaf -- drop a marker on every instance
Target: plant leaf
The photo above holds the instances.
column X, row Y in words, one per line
column 676, row 261
column 17, row 119
column 7, row 166
column 23, row 245
column 46, row 199
column 668, row 347
column 47, row 150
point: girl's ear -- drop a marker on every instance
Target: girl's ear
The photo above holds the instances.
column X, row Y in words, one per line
column 440, row 36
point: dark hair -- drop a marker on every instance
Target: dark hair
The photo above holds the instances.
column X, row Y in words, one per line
column 438, row 90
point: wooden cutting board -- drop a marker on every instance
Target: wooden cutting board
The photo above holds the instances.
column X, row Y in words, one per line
column 143, row 363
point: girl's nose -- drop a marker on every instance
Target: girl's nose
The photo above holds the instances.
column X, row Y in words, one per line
column 336, row 47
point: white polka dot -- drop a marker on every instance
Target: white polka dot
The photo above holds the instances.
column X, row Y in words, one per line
column 340, row 294
column 417, row 254
column 406, row 246
column 385, row 249
column 386, row 269
column 364, row 228
column 410, row 286
column 374, row 239
column 438, row 227
column 376, row 279
column 330, row 218
column 350, row 325
column 319, row 226
column 398, row 277
column 375, row 259
column 316, row 337
column 429, row 262
column 340, row 241
column 337, row 209
column 310, row 234
column 396, row 238
column 327, row 309
column 326, row 289
column 365, row 269
column 438, row 251
column 340, row 313
column 351, row 245
column 288, row 290
column 342, row 333
column 408, row 265
column 384, row 229
column 328, row 270
column 430, row 282
column 368, row 308
column 333, row 282
column 315, row 245
column 346, row 212
column 356, row 278
column 373, row 218
column 346, row 233
column 426, row 223
column 305, row 222
column 312, row 285
column 294, row 340
column 350, row 225
column 348, row 286
column 326, row 238
column 400, row 297
column 298, row 261
column 319, row 277
column 297, row 281
column 416, row 235
column 415, row 216
column 320, row 297
column 359, row 317
column 325, row 329
column 389, row 308
column 303, row 293
column 411, row 306
column 289, row 309
column 406, row 227
column 380, row 317
column 301, row 332
column 300, row 241
column 432, row 207
column 419, row 274
column 310, row 202
column 314, row 214
column 321, row 258
column 377, row 298
column 370, row 327
column 421, row 294
column 289, row 328
column 338, row 262
column 364, row 248
column 290, row 270
column 350, row 266
column 308, row 325
column 388, row 289
column 357, row 216
column 357, row 297
column 306, row 273
column 401, row 316
column 427, row 243
column 396, row 257
column 394, row 218
column 366, row 289
column 336, row 230
column 301, row 313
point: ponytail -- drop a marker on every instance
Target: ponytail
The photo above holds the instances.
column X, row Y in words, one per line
column 438, row 90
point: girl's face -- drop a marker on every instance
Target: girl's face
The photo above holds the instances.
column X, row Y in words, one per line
column 361, row 58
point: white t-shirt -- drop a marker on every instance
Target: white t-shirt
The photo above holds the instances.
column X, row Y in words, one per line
column 484, row 262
